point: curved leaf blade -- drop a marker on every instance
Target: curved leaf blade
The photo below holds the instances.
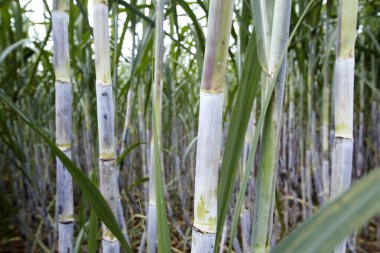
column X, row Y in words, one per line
column 89, row 190
column 247, row 92
column 331, row 224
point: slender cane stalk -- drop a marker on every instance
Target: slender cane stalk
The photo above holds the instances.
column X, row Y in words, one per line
column 210, row 125
column 360, row 145
column 245, row 213
column 106, row 116
column 157, row 104
column 63, row 100
column 344, row 101
column 325, row 123
column 265, row 186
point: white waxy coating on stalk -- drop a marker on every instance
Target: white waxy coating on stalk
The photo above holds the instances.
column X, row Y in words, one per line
column 63, row 100
column 343, row 142
column 101, row 40
column 202, row 242
column 64, row 192
column 344, row 97
column 152, row 217
column 106, row 128
column 342, row 164
column 63, row 122
column 111, row 246
column 65, row 203
column 152, row 227
column 152, row 191
column 207, row 161
column 60, row 21
column 108, row 187
column 66, row 237
column 210, row 125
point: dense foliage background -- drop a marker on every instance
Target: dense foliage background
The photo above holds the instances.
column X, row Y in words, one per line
column 27, row 166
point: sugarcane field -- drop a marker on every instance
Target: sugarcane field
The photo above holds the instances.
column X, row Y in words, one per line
column 203, row 126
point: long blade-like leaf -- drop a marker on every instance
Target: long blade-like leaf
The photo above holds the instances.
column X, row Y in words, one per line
column 239, row 121
column 336, row 220
column 263, row 12
column 232, row 166
column 90, row 191
column 12, row 47
column 186, row 7
column 163, row 244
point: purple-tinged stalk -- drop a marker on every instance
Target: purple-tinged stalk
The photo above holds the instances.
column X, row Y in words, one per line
column 106, row 126
column 344, row 101
column 63, row 101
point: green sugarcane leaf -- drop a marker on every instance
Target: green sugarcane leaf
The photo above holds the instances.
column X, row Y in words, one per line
column 93, row 228
column 263, row 15
column 84, row 14
column 144, row 47
column 248, row 90
column 138, row 182
column 135, row 10
column 78, row 242
column 93, row 232
column 201, row 37
column 163, row 234
column 89, row 190
column 255, row 139
column 374, row 40
column 12, row 47
column 339, row 218
column 129, row 149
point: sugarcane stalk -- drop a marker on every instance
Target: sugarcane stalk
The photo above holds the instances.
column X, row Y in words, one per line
column 317, row 175
column 157, row 104
column 290, row 148
column 311, row 164
column 106, row 125
column 344, row 101
column 284, row 172
column 265, row 186
column 325, row 130
column 210, row 125
column 291, row 129
column 360, row 146
column 245, row 213
column 63, row 101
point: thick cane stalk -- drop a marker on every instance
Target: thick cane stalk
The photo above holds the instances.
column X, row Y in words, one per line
column 265, row 186
column 63, row 100
column 157, row 104
column 106, row 116
column 344, row 101
column 210, row 125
